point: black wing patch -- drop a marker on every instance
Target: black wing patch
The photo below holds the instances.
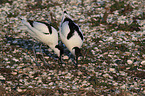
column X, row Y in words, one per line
column 48, row 25
column 46, row 33
column 31, row 22
column 78, row 31
column 73, row 28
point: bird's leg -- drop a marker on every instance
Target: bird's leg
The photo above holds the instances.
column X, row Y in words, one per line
column 30, row 56
column 35, row 55
column 59, row 60
column 74, row 60
column 76, row 64
column 71, row 57
column 45, row 63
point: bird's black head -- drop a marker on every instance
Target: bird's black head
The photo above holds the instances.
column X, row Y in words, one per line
column 77, row 51
column 61, row 50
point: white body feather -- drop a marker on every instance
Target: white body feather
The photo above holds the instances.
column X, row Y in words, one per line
column 75, row 40
column 38, row 31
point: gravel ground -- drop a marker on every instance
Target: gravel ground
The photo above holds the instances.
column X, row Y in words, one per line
column 113, row 61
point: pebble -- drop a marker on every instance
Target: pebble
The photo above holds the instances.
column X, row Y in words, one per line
column 65, row 57
column 129, row 61
column 30, row 86
column 106, row 75
column 19, row 90
column 115, row 83
column 143, row 62
column 122, row 73
column 144, row 92
column 74, row 87
column 51, row 83
column 1, row 77
column 112, row 70
column 14, row 73
column 123, row 86
column 110, row 39
column 15, row 41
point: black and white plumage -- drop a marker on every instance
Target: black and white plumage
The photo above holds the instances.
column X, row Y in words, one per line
column 71, row 35
column 45, row 33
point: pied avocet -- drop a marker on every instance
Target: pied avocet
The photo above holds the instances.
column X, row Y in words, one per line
column 71, row 35
column 45, row 33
